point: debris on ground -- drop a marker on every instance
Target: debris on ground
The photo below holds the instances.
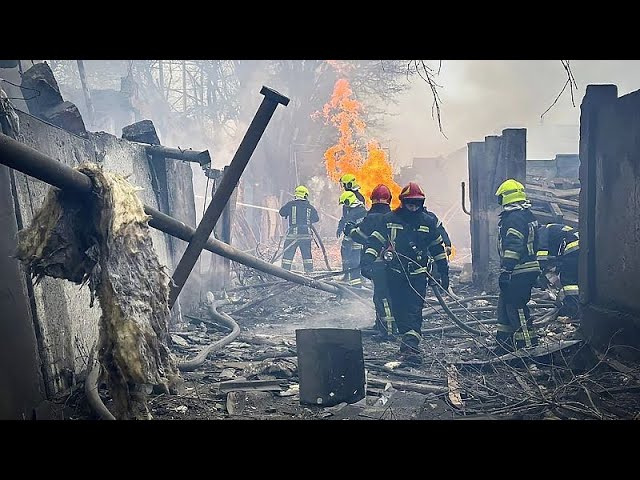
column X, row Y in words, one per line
column 256, row 376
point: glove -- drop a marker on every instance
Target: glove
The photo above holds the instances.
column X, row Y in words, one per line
column 348, row 227
column 338, row 232
column 504, row 280
column 448, row 250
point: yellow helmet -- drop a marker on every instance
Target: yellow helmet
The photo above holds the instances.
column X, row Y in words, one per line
column 301, row 192
column 348, row 181
column 349, row 199
column 510, row 191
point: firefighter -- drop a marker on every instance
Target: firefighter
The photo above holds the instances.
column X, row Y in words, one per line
column 348, row 182
column 380, row 198
column 517, row 247
column 301, row 215
column 559, row 247
column 408, row 242
column 353, row 212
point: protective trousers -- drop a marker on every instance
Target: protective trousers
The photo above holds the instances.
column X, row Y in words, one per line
column 291, row 245
column 350, row 253
column 568, row 273
column 407, row 299
column 515, row 326
column 385, row 321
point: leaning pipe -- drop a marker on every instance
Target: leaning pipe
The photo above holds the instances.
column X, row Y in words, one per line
column 36, row 164
column 223, row 191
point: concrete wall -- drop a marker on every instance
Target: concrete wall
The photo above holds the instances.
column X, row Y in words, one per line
column 563, row 165
column 545, row 168
column 609, row 219
column 67, row 328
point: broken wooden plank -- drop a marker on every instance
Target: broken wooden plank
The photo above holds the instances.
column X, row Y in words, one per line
column 560, row 201
column 535, row 352
column 248, row 385
column 616, row 365
column 408, row 386
column 557, row 192
column 454, row 386
column 546, row 217
column 555, row 209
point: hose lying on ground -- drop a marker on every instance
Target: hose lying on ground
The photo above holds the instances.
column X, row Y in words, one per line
column 452, row 316
column 91, row 392
column 198, row 360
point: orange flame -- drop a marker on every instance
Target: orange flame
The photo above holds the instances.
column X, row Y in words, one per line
column 343, row 112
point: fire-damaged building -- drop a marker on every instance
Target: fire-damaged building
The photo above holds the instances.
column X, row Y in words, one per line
column 144, row 280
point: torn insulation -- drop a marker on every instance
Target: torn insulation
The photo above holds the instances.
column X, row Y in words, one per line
column 104, row 240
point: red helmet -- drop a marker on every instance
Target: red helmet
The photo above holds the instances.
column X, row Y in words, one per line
column 412, row 190
column 381, row 193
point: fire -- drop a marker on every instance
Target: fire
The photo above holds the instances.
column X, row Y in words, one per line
column 343, row 111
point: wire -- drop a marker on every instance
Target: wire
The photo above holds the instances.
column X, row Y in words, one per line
column 23, row 88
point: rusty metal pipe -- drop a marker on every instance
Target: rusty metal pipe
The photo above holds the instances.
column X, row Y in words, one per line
column 223, row 191
column 464, row 197
column 31, row 162
column 203, row 157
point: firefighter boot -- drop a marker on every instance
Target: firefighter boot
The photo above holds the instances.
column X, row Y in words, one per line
column 410, row 352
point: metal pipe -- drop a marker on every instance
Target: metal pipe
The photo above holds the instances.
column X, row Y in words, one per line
column 31, row 162
column 180, row 230
column 464, row 197
column 203, row 157
column 225, row 189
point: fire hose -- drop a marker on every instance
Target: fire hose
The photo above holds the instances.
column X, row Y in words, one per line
column 92, row 382
column 225, row 319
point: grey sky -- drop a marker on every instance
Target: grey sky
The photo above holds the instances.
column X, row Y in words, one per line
column 481, row 97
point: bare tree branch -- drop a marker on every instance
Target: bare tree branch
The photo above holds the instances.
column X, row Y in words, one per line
column 571, row 82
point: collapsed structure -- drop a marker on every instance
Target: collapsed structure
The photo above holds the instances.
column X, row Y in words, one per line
column 58, row 340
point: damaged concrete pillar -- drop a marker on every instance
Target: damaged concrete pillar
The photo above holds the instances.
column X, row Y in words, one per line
column 596, row 97
column 490, row 163
column 221, row 266
column 479, row 236
column 42, row 95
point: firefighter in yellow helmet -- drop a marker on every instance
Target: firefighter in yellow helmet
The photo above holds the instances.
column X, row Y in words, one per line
column 349, row 184
column 559, row 248
column 301, row 215
column 353, row 212
column 517, row 247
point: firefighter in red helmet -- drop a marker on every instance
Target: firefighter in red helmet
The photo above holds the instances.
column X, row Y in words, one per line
column 408, row 241
column 380, row 205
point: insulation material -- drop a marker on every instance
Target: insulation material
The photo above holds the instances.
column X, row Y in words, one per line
column 104, row 240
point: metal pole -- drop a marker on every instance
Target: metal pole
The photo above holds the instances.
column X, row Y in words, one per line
column 225, row 189
column 31, row 162
column 464, row 208
column 203, row 158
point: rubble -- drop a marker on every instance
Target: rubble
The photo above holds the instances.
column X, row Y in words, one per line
column 540, row 387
